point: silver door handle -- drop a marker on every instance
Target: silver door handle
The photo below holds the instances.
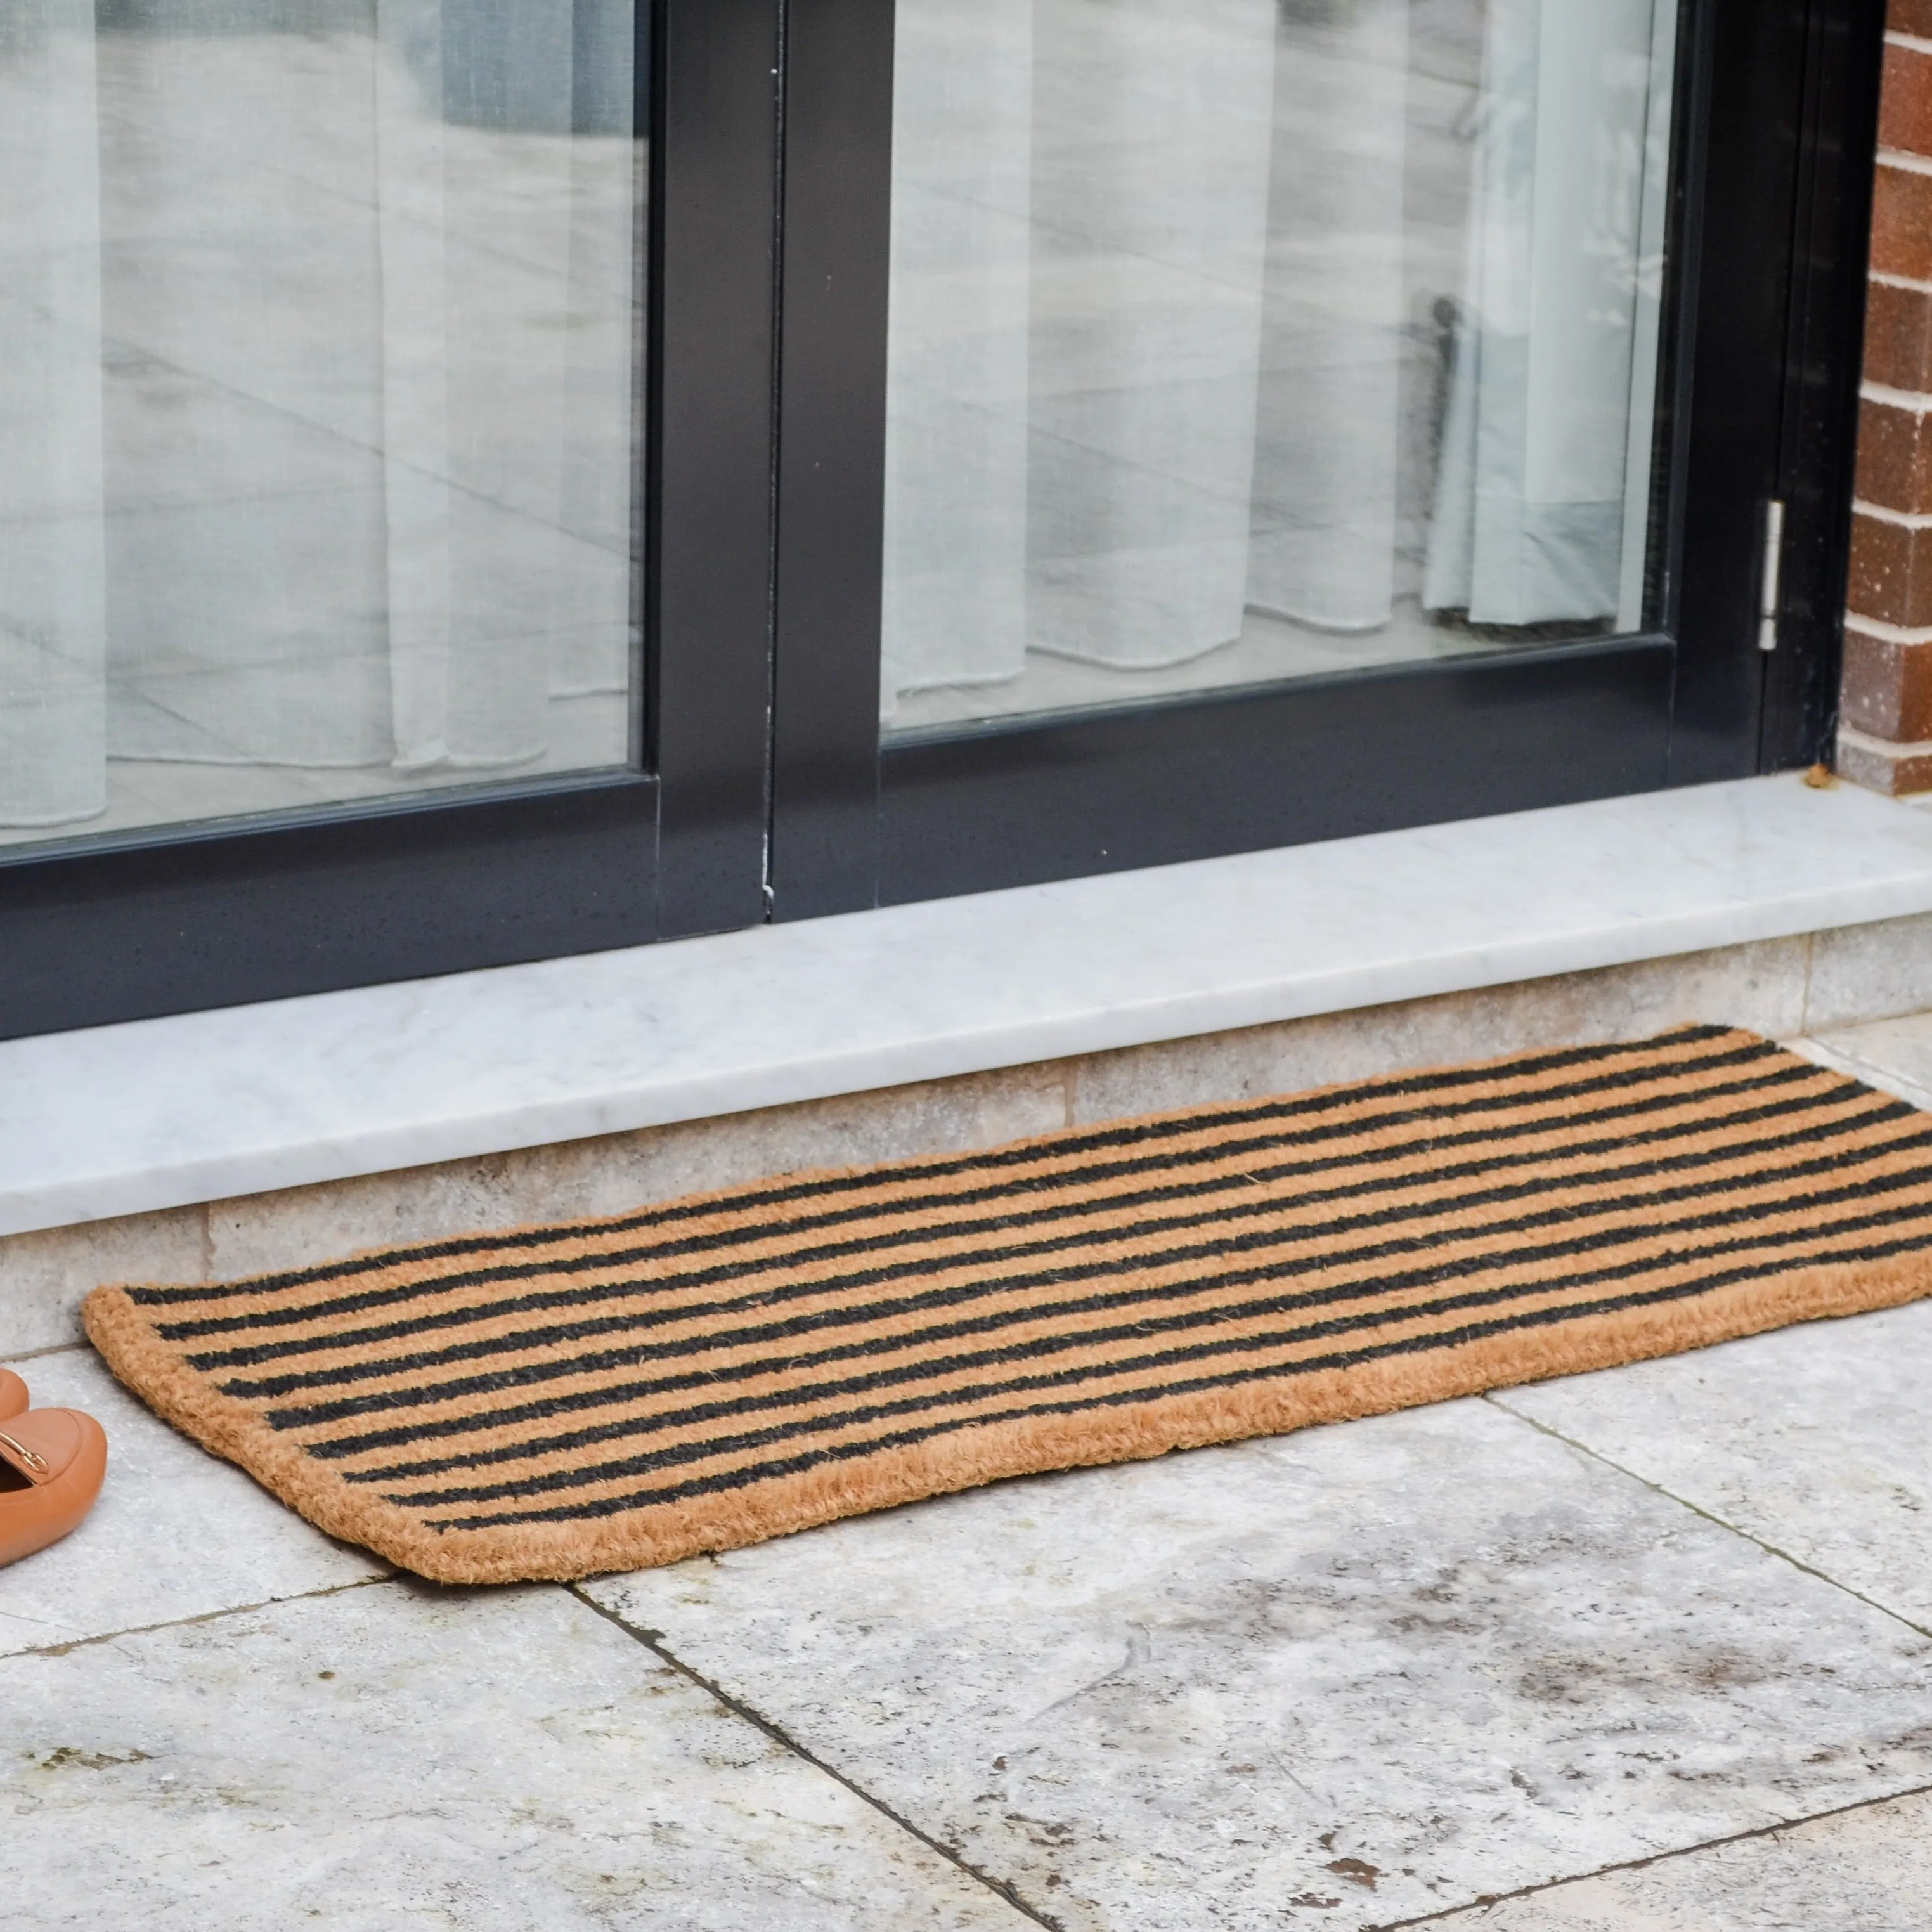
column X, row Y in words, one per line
column 1770, row 582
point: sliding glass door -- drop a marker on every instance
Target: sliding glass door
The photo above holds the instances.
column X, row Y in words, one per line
column 330, row 333
column 486, row 479
column 320, row 388
column 1294, row 411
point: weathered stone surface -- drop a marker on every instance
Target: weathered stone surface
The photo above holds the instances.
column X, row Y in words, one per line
column 1209, row 1692
column 394, row 1757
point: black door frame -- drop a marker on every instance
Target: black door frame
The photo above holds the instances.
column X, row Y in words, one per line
column 760, row 789
column 126, row 926
column 1776, row 109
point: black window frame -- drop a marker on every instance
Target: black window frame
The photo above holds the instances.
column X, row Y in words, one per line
column 763, row 791
column 1775, row 121
column 177, row 918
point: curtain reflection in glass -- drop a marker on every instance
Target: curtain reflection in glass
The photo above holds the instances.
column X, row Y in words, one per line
column 1312, row 334
column 53, row 617
column 956, row 414
column 1529, row 516
column 1322, row 551
column 343, row 307
column 1149, row 208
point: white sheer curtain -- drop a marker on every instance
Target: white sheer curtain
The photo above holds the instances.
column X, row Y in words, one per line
column 241, row 284
column 1199, row 233
column 1327, row 450
column 1152, row 128
column 504, row 352
column 52, row 618
column 357, row 498
column 955, row 537
column 1531, row 495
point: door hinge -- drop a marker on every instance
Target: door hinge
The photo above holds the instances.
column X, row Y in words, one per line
column 1770, row 583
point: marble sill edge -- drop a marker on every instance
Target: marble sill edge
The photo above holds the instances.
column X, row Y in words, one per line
column 338, row 1086
column 1834, row 979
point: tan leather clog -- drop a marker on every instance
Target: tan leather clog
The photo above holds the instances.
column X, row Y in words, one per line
column 12, row 1395
column 52, row 1462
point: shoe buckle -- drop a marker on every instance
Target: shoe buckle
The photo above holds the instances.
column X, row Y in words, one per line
column 37, row 1464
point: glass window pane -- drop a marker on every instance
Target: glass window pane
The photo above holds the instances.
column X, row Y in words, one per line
column 1238, row 340
column 318, row 325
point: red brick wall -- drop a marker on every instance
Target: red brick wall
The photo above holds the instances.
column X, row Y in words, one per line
column 1885, row 736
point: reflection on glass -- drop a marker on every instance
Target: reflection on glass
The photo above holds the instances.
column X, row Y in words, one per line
column 1240, row 340
column 316, row 335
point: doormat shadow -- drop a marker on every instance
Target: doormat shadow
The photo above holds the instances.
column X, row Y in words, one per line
column 710, row 1372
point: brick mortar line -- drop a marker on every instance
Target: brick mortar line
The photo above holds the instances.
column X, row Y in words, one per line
column 1888, row 633
column 1890, row 748
column 1913, row 402
column 1904, row 160
column 1909, row 520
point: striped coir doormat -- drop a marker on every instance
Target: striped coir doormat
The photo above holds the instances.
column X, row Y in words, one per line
column 609, row 1394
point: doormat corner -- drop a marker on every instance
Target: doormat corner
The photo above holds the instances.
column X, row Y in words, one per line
column 558, row 1402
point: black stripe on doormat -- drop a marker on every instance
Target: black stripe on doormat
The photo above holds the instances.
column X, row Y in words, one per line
column 559, row 1366
column 1268, row 1343
column 792, row 1327
column 628, row 1282
column 1074, row 1141
column 806, row 1393
column 1439, row 1339
column 662, row 1422
column 701, row 1373
column 737, row 1236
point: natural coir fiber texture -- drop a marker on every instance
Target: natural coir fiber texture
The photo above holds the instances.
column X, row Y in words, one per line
column 698, row 1376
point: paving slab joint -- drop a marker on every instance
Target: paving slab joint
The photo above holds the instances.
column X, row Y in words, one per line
column 653, row 1641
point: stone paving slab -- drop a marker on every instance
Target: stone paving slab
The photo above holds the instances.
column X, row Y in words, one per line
column 398, row 1757
column 1867, row 1871
column 176, row 1532
column 1817, row 1440
column 1352, row 1676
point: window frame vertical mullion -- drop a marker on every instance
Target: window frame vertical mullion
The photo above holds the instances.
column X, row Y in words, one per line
column 837, row 124
column 714, row 288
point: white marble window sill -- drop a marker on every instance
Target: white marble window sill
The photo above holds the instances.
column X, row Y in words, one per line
column 162, row 1113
